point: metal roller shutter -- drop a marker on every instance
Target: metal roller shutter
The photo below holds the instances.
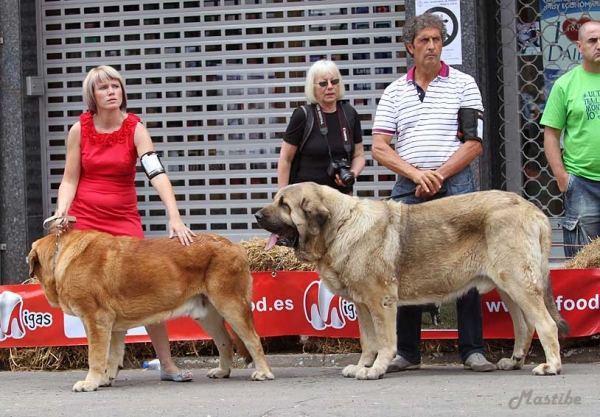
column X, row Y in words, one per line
column 215, row 83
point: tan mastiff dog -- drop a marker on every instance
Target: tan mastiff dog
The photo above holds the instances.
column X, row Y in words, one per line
column 115, row 283
column 381, row 254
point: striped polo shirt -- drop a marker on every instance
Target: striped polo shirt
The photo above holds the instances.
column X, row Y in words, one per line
column 426, row 130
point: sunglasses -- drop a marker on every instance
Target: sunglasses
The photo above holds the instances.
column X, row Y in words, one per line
column 324, row 84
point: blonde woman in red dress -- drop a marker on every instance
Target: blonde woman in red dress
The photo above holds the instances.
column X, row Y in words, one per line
column 98, row 183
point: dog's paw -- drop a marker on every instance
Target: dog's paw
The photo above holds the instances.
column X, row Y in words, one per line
column 545, row 369
column 106, row 381
column 84, row 386
column 369, row 374
column 218, row 373
column 509, row 364
column 262, row 376
column 351, row 370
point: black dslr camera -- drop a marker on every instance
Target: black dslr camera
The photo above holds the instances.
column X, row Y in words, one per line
column 341, row 167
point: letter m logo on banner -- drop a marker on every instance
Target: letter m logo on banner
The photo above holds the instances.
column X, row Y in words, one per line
column 11, row 316
column 322, row 308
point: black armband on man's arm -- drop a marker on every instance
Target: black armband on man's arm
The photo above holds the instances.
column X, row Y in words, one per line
column 151, row 164
column 470, row 124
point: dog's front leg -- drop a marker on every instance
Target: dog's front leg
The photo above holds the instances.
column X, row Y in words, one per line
column 115, row 358
column 383, row 315
column 98, row 329
column 368, row 342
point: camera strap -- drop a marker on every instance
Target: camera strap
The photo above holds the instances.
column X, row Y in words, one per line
column 343, row 128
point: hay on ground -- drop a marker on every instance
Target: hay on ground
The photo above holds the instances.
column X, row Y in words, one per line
column 588, row 257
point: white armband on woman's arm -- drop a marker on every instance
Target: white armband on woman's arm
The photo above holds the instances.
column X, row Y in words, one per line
column 151, row 164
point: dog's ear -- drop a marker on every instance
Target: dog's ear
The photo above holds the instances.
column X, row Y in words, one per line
column 32, row 261
column 316, row 215
column 47, row 281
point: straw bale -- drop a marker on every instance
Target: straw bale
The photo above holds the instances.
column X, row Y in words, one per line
column 43, row 358
column 261, row 260
column 588, row 257
column 329, row 345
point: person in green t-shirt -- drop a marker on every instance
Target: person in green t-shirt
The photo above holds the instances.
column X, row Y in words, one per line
column 573, row 108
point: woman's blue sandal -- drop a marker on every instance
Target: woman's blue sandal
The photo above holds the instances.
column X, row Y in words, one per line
column 183, row 376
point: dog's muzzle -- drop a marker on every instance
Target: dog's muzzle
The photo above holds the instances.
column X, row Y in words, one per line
column 282, row 234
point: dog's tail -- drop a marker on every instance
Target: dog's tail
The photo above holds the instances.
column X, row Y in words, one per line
column 546, row 245
column 241, row 349
column 563, row 325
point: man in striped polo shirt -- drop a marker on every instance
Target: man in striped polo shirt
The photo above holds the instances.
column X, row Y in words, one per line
column 422, row 109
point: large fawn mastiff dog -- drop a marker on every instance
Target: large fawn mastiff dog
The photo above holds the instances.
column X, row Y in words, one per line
column 115, row 283
column 381, row 254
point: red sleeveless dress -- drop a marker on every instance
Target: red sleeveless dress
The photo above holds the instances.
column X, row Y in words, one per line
column 106, row 199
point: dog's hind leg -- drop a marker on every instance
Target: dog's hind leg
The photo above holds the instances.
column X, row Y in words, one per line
column 368, row 342
column 98, row 329
column 212, row 322
column 531, row 302
column 115, row 358
column 523, row 334
column 547, row 331
column 238, row 313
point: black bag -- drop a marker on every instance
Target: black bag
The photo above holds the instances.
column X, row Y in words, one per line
column 310, row 122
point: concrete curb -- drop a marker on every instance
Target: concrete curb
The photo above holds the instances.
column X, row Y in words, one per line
column 576, row 355
column 280, row 360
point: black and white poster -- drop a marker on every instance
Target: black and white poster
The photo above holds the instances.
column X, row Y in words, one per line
column 449, row 12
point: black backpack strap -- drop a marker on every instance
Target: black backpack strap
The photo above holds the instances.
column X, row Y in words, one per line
column 308, row 126
column 310, row 122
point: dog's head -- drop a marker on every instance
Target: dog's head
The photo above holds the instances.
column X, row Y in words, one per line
column 41, row 267
column 298, row 215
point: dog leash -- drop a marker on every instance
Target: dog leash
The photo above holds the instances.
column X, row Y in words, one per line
column 59, row 224
column 274, row 272
column 409, row 193
column 442, row 191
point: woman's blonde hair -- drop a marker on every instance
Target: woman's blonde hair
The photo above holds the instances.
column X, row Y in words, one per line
column 101, row 74
column 318, row 70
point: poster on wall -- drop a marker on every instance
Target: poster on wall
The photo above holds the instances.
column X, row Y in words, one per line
column 529, row 38
column 449, row 12
column 560, row 21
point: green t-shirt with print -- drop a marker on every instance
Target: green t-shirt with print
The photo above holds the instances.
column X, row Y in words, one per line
column 574, row 105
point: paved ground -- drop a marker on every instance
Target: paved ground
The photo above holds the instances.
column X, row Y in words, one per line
column 310, row 391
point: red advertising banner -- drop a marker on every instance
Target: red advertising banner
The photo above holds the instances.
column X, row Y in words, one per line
column 577, row 296
column 292, row 303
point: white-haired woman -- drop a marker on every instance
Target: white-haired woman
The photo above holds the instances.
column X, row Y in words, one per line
column 336, row 158
column 98, row 182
